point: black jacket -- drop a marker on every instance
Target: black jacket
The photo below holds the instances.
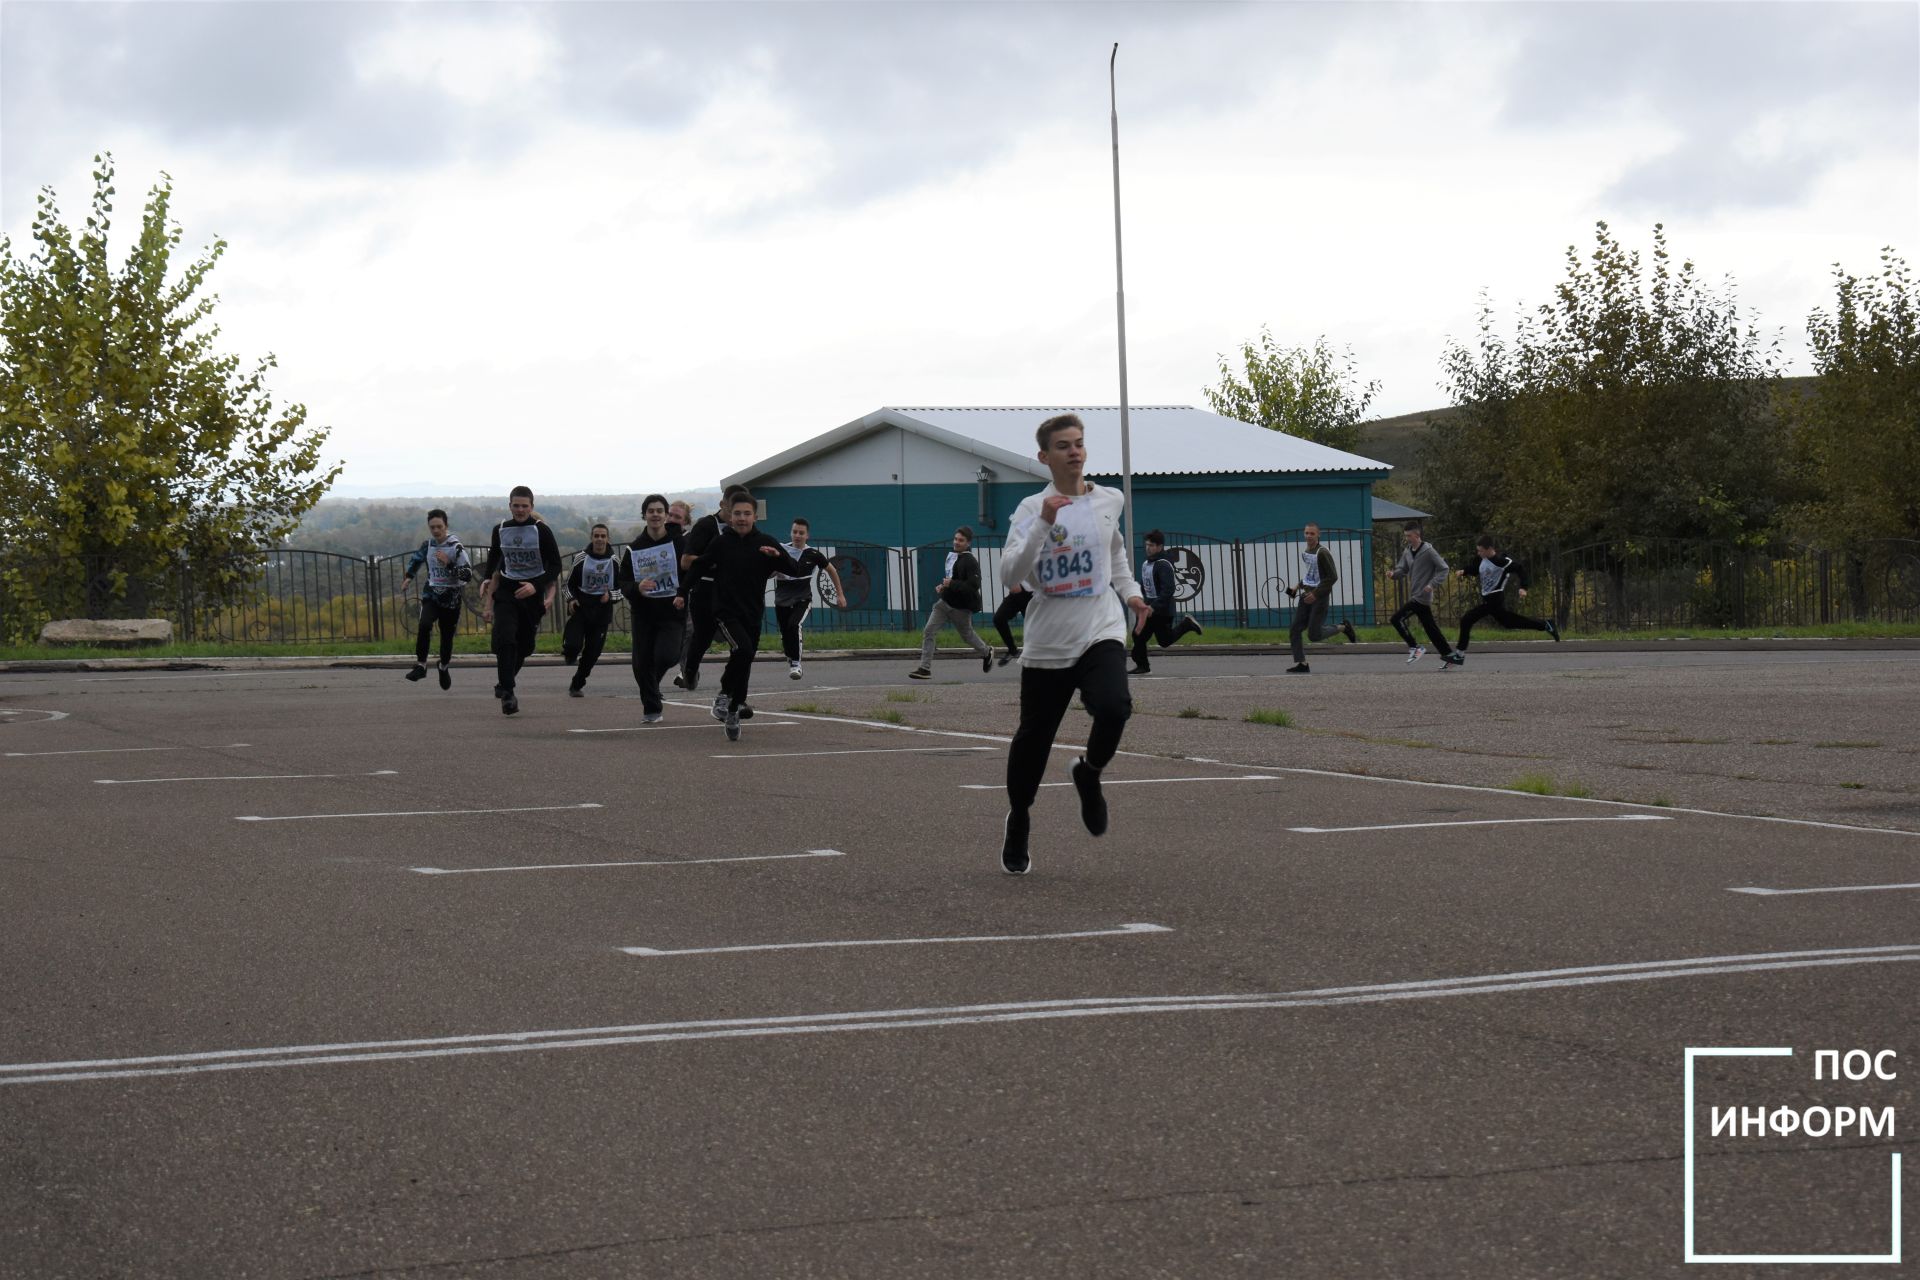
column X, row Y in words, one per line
column 740, row 570
column 1161, row 569
column 963, row 592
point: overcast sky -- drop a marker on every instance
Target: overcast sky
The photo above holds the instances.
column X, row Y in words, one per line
column 615, row 247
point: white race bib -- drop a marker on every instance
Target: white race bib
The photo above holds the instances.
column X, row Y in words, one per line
column 659, row 564
column 1073, row 553
column 1147, row 590
column 443, row 576
column 596, row 576
column 520, row 548
column 1310, row 570
column 952, row 556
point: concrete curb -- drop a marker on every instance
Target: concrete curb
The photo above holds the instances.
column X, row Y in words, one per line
column 320, row 662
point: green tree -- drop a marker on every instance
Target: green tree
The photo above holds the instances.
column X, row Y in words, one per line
column 1635, row 404
column 129, row 442
column 1857, row 430
column 1310, row 392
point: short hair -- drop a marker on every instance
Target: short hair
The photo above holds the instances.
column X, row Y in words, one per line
column 738, row 495
column 600, row 525
column 436, row 514
column 1156, row 537
column 652, row 498
column 802, row 522
column 965, row 531
column 1311, row 524
column 520, row 491
column 1487, row 540
column 1413, row 526
column 733, row 491
column 1058, row 422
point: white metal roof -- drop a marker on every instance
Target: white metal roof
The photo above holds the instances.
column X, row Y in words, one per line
column 1166, row 440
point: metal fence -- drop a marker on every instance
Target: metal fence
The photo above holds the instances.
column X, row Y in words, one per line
column 298, row 596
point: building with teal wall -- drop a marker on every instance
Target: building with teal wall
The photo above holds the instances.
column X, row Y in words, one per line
column 1231, row 496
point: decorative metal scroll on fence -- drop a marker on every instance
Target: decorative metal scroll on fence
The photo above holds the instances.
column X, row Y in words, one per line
column 288, row 595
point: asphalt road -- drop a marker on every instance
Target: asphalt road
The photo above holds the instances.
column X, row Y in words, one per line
column 282, row 1000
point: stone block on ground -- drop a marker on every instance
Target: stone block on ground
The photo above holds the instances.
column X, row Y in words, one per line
column 107, row 631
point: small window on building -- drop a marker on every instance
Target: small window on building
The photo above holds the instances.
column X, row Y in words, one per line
column 759, row 508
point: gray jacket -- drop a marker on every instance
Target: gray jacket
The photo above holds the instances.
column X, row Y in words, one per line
column 1423, row 569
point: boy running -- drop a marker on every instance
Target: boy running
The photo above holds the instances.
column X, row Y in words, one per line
column 1496, row 574
column 1067, row 540
column 1422, row 565
column 1318, row 573
column 522, row 563
column 591, row 586
column 1157, row 585
column 448, row 571
column 650, row 579
column 740, row 559
column 793, row 597
column 701, row 623
column 955, row 600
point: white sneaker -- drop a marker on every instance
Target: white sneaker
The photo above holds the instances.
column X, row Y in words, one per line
column 1416, row 653
column 793, row 671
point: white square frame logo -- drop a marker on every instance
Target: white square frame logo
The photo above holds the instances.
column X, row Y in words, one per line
column 1891, row 1256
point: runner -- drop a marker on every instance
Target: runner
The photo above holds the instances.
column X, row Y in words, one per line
column 1067, row 540
column 740, row 559
column 1422, row 565
column 448, row 572
column 793, row 597
column 1318, row 573
column 700, row 591
column 1018, row 597
column 1496, row 574
column 591, row 586
column 523, row 562
column 1156, row 585
column 955, row 600
column 650, row 579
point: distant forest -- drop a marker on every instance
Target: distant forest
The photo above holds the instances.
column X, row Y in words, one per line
column 387, row 526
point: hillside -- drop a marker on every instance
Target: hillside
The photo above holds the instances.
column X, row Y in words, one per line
column 362, row 526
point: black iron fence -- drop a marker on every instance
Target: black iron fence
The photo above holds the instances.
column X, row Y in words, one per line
column 298, row 596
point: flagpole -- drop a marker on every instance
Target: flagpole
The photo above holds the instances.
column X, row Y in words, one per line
column 1120, row 307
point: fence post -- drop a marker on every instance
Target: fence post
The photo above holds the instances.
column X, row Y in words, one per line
column 186, row 599
column 1240, row 583
column 1826, row 587
column 373, row 594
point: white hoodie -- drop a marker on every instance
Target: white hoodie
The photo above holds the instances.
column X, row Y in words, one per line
column 1060, row 629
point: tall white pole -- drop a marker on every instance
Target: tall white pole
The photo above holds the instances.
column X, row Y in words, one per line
column 1120, row 307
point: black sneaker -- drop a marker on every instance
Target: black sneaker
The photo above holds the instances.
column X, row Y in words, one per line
column 1553, row 628
column 1194, row 628
column 1093, row 805
column 419, row 672
column 1298, row 669
column 919, row 673
column 687, row 682
column 509, row 705
column 446, row 677
column 1138, row 669
column 574, row 691
column 746, row 712
column 499, row 691
column 1008, row 656
column 733, row 724
column 719, row 707
column 1352, row 638
column 1454, row 659
column 1013, row 847
column 986, row 663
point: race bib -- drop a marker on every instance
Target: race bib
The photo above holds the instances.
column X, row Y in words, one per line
column 1148, row 590
column 952, row 557
column 596, row 576
column 443, row 576
column 660, row 564
column 1073, row 553
column 1310, row 568
column 1492, row 578
column 520, row 548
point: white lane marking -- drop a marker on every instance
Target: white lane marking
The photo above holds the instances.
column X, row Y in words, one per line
column 663, row 862
column 936, row 1016
column 898, row 942
column 1839, row 888
column 859, row 751
column 48, row 716
column 248, row 777
column 1477, row 822
column 1123, row 782
column 108, row 751
column 228, row 675
column 411, row 813
column 661, row 728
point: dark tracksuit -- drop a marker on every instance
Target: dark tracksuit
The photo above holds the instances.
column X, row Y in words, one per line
column 740, row 569
column 1157, row 585
column 659, row 626
column 586, row 633
column 700, row 596
column 439, row 605
column 533, row 558
column 1311, row 619
column 793, row 599
column 1015, row 601
column 1496, row 575
column 1423, row 569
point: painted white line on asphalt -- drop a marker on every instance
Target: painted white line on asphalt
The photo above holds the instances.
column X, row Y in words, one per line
column 108, row 751
column 47, row 717
column 226, row 675
column 898, row 942
column 1838, row 888
column 663, row 862
column 411, row 813
column 661, row 728
column 1477, row 822
column 1124, row 782
column 858, row 751
column 935, row 1016
column 248, row 777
